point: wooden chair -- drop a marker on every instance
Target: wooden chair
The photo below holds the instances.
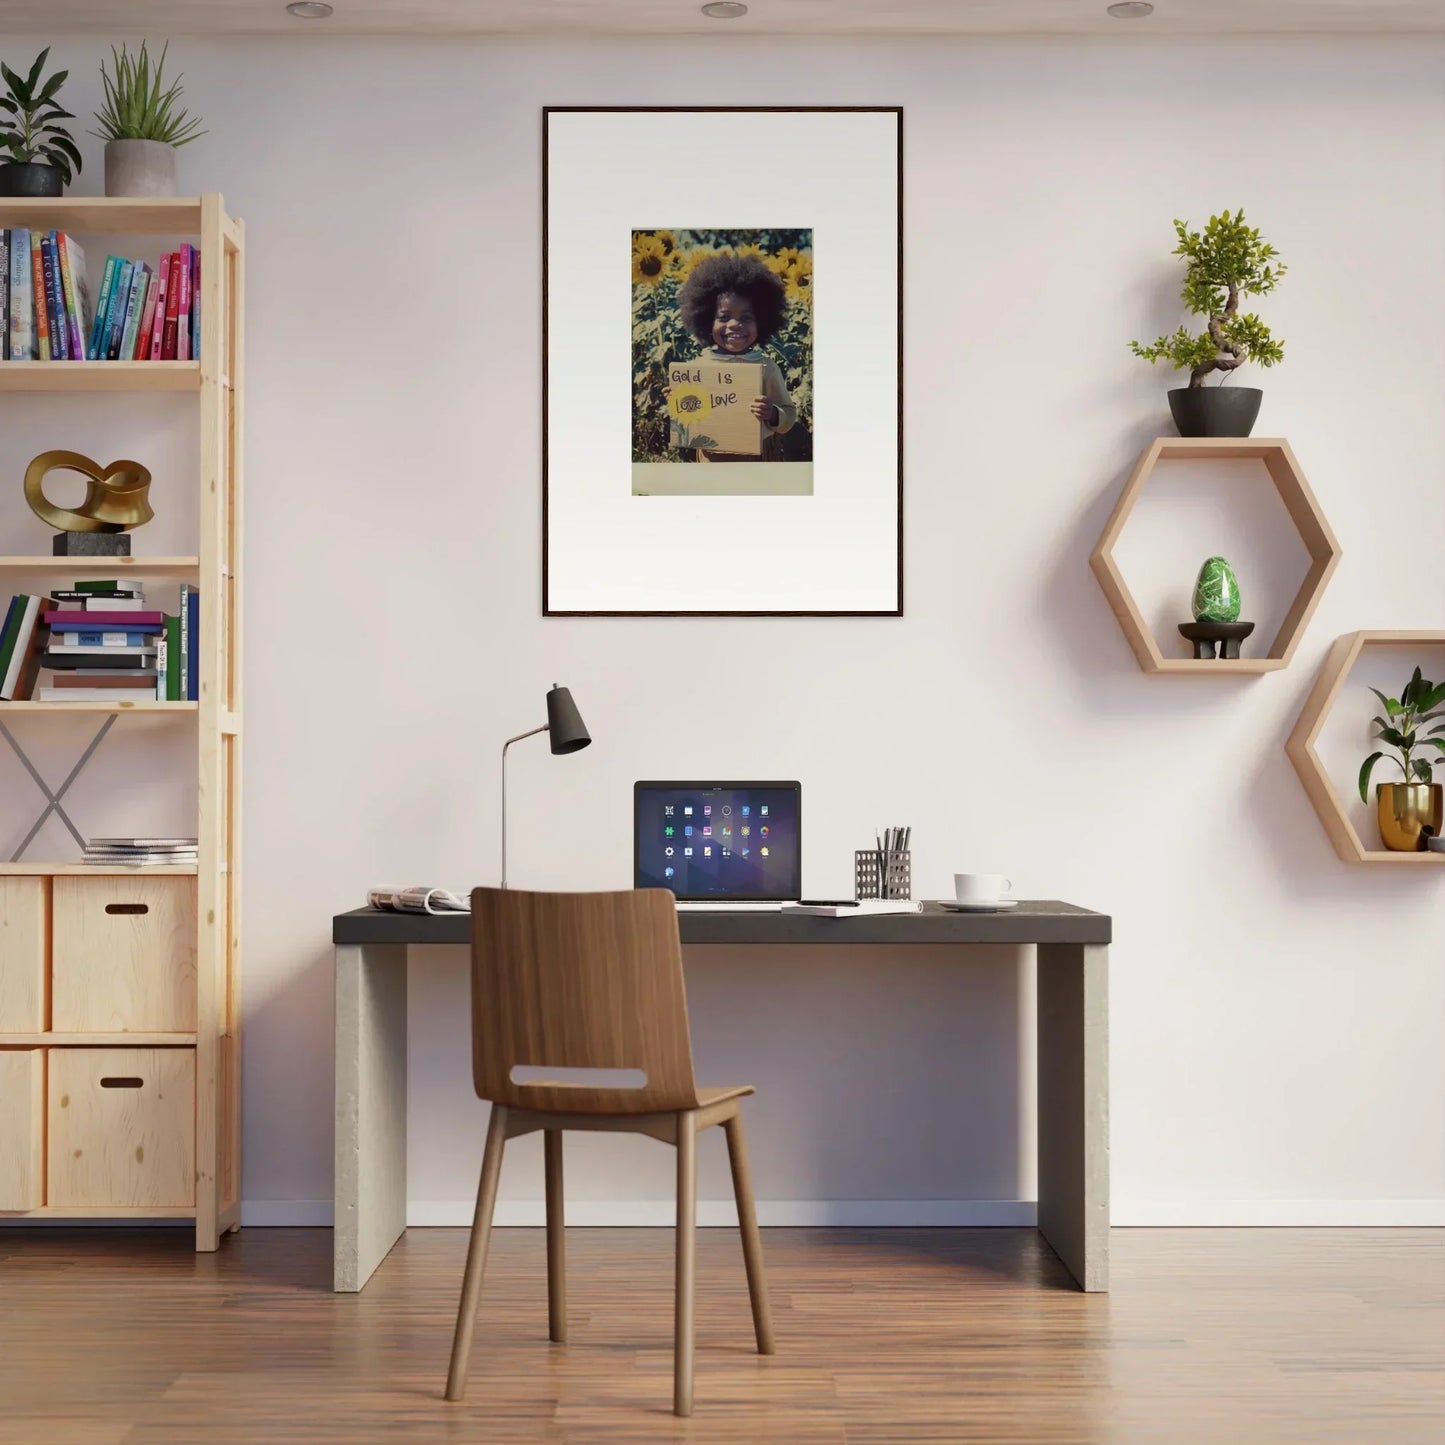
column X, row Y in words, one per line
column 578, row 981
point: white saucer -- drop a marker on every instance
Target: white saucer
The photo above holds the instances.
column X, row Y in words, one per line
column 999, row 907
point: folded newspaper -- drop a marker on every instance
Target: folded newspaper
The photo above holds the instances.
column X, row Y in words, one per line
column 417, row 900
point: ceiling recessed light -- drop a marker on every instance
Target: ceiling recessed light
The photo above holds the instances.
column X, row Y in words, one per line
column 310, row 9
column 725, row 10
column 1131, row 9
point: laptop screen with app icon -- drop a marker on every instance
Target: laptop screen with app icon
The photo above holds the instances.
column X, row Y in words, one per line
column 739, row 842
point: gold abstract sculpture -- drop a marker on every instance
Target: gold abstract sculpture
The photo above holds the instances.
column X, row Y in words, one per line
column 115, row 496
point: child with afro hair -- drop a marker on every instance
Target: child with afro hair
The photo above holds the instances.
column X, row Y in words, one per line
column 732, row 305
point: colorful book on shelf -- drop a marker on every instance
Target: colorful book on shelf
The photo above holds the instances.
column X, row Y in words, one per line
column 142, row 348
column 140, row 280
column 76, row 286
column 173, row 300
column 115, row 679
column 102, row 305
column 13, row 614
column 37, row 293
column 67, row 658
column 24, row 662
column 137, row 638
column 191, row 643
column 54, row 310
column 195, row 303
column 136, row 621
column 158, row 321
column 183, row 306
column 144, row 693
column 115, row 317
column 173, row 672
column 4, row 295
column 22, row 305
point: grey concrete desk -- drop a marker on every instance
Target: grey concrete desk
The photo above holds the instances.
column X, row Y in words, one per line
column 1073, row 1056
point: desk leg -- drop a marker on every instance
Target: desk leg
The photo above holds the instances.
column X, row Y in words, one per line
column 370, row 1108
column 1073, row 1047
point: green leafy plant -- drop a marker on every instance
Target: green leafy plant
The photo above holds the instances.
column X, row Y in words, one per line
column 138, row 105
column 1421, row 702
column 1226, row 262
column 28, row 115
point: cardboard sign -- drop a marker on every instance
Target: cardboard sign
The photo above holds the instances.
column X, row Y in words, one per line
column 710, row 404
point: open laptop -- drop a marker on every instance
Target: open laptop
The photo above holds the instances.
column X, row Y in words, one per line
column 719, row 845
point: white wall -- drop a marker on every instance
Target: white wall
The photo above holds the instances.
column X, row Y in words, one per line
column 1277, row 1016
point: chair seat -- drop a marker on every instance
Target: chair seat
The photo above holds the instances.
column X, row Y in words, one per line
column 706, row 1097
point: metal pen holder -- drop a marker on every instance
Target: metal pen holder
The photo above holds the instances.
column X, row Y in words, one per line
column 880, row 874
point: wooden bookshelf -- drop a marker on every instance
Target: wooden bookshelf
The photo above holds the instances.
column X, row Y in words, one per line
column 1300, row 746
column 103, row 566
column 206, row 895
column 87, row 870
column 1283, row 473
column 100, row 375
column 98, row 707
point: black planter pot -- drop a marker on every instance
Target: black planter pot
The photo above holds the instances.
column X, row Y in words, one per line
column 1215, row 411
column 30, row 178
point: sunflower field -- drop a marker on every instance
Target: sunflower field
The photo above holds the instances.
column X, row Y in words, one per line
column 661, row 261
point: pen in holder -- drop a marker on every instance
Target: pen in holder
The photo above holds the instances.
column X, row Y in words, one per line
column 880, row 873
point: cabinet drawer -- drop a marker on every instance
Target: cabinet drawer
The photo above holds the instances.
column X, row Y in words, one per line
column 24, row 926
column 22, row 1128
column 123, row 955
column 122, row 1127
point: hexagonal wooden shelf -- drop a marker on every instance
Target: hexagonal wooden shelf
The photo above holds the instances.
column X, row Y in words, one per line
column 1304, row 511
column 1301, row 747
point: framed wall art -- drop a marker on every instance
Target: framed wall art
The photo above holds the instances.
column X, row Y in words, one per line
column 722, row 324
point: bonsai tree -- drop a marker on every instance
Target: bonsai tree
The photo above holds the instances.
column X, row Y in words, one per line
column 28, row 115
column 137, row 107
column 1226, row 262
column 1421, row 702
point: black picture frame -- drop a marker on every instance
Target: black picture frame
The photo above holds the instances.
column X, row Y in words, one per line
column 547, row 112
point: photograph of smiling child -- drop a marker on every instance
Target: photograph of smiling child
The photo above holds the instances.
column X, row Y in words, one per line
column 722, row 361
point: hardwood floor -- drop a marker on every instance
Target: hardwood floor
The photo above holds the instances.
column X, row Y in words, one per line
column 885, row 1337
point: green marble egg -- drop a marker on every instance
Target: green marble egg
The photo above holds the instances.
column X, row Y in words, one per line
column 1216, row 593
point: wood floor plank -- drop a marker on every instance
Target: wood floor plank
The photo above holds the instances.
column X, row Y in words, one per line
column 885, row 1337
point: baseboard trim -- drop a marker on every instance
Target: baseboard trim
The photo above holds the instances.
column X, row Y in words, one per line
column 1279, row 1214
column 886, row 1213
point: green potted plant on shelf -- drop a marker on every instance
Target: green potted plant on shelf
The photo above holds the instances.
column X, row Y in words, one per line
column 40, row 158
column 141, row 125
column 1225, row 263
column 1410, row 812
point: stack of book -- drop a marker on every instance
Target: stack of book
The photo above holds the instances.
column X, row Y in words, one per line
column 140, row 852
column 102, row 644
column 141, row 313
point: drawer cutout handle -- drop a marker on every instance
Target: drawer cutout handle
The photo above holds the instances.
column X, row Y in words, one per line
column 122, row 1083
column 127, row 908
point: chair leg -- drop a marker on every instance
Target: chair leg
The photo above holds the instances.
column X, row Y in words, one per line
column 752, row 1240
column 556, row 1239
column 686, row 1282
column 477, row 1254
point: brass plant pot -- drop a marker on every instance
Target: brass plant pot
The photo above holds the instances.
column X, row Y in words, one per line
column 1410, row 814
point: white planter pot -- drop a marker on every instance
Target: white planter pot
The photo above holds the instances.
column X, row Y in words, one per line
column 140, row 168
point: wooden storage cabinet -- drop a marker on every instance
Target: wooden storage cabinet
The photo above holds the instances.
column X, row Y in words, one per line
column 121, row 1128
column 124, row 955
column 22, row 1128
column 24, row 947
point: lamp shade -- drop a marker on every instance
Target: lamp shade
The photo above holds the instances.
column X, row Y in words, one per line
column 565, row 729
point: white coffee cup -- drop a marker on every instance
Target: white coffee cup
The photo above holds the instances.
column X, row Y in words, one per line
column 980, row 888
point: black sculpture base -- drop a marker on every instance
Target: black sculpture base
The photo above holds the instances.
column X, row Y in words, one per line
column 1207, row 635
column 91, row 544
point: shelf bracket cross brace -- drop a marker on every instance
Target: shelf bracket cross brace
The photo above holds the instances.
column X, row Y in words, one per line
column 53, row 803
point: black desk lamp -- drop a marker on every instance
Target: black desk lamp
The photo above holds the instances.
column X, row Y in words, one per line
column 568, row 734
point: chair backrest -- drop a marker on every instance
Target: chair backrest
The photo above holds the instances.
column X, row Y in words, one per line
column 579, row 981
